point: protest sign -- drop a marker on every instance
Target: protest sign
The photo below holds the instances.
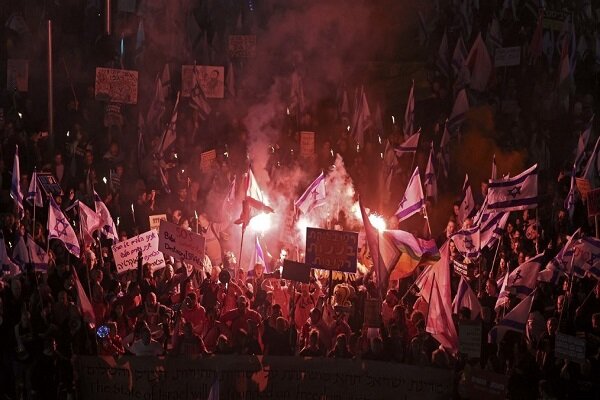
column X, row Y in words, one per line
column 295, row 271
column 469, row 338
column 256, row 377
column 569, row 347
column 487, row 385
column 331, row 250
column 207, row 159
column 242, row 46
column 593, row 203
column 307, row 144
column 507, row 56
column 372, row 313
column 17, row 75
column 180, row 243
column 116, row 85
column 126, row 253
column 554, row 19
column 461, row 268
column 210, row 78
column 155, row 220
column 48, row 183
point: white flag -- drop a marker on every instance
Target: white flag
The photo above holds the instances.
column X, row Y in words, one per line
column 413, row 200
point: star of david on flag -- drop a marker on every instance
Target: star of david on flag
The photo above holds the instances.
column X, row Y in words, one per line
column 513, row 194
column 59, row 228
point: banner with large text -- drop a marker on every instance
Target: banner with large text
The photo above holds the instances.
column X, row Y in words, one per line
column 249, row 377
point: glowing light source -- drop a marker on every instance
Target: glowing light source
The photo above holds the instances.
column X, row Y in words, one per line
column 287, row 111
column 348, row 128
column 68, row 133
column 20, row 115
column 357, row 147
column 379, row 137
column 331, row 151
column 381, row 154
column 104, row 180
column 378, row 222
column 393, row 120
column 261, row 223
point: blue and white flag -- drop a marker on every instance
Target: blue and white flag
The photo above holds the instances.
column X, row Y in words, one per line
column 258, row 256
column 409, row 113
column 413, row 200
column 34, row 194
column 468, row 241
column 60, row 228
column 570, row 199
column 15, row 185
column 107, row 226
column 561, row 264
column 313, row 197
column 516, row 193
column 362, row 119
column 467, row 204
column 466, row 297
column 430, row 178
column 522, row 280
column 515, row 320
column 459, row 112
column 586, row 257
column 170, row 133
column 28, row 252
column 492, row 227
column 410, row 145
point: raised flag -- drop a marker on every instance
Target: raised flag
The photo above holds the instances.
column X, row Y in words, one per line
column 561, row 264
column 466, row 297
column 382, row 271
column 439, row 320
column 459, row 112
column 170, row 133
column 198, row 99
column 413, row 200
column 34, row 194
column 459, row 56
column 314, row 196
column 515, row 320
column 586, row 257
column 409, row 113
column 258, row 256
column 513, row 194
column 90, row 222
column 522, row 280
column 441, row 270
column 401, row 252
column 229, row 201
column 60, row 228
column 108, row 227
column 410, row 145
column 468, row 241
column 480, row 65
column 83, row 302
column 15, row 185
column 443, row 156
column 442, row 56
column 362, row 119
column 492, row 227
column 592, row 168
column 157, row 109
column 467, row 203
column 430, row 178
column 29, row 252
column 254, row 203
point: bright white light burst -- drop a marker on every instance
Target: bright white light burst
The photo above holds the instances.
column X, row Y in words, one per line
column 261, row 223
column 378, row 222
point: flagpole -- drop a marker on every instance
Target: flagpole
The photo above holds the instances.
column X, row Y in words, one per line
column 34, row 198
column 427, row 220
column 495, row 255
column 241, row 247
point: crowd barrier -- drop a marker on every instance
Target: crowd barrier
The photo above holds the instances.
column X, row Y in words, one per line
column 252, row 377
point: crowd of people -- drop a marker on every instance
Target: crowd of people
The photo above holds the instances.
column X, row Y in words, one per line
column 221, row 307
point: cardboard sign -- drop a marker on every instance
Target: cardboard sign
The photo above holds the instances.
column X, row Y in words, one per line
column 593, row 203
column 373, row 313
column 48, row 183
column 126, row 253
column 507, row 56
column 295, row 271
column 155, row 220
column 210, row 78
column 554, row 19
column 307, row 144
column 116, row 85
column 584, row 187
column 207, row 159
column 486, row 385
column 180, row 243
column 331, row 250
column 242, row 46
column 17, row 75
column 469, row 338
column 569, row 347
